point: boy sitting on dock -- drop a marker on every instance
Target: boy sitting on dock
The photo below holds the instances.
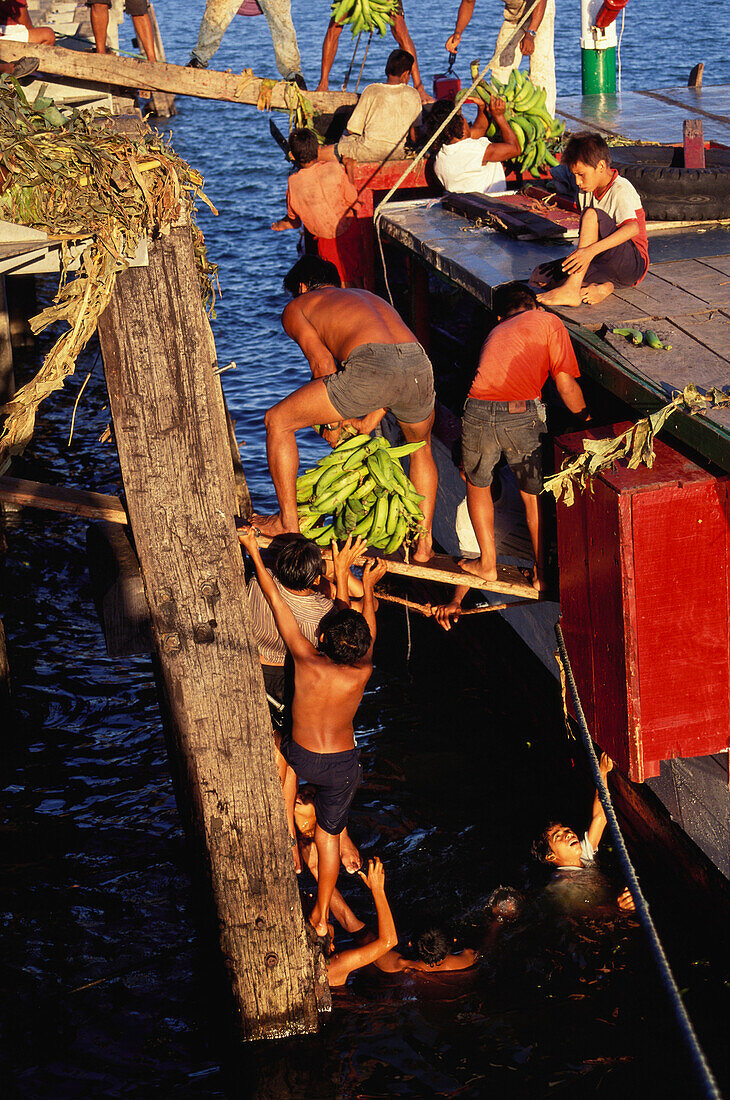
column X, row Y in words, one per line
column 613, row 248
column 560, row 847
column 466, row 160
column 503, row 415
column 329, row 681
column 321, row 197
column 385, row 117
column 364, row 360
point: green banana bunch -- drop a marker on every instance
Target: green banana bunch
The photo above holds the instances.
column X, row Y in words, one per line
column 365, row 15
column 638, row 337
column 360, row 489
column 534, row 128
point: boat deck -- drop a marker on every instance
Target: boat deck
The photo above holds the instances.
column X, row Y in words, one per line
column 651, row 116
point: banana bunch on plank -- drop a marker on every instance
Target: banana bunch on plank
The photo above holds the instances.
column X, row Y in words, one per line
column 360, row 489
column 535, row 129
column 365, row 15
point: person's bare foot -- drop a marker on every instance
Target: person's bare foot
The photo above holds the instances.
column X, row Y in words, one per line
column 349, row 855
column 272, row 525
column 594, row 293
column 296, row 856
column 474, row 565
column 565, row 295
column 538, row 580
column 319, row 925
column 323, row 86
column 424, row 550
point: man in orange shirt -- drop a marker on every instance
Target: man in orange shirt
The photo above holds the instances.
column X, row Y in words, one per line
column 503, row 414
column 321, row 197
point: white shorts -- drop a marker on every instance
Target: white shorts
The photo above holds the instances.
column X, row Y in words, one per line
column 14, row 32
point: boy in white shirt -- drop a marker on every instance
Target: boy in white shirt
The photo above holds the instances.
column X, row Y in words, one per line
column 467, row 161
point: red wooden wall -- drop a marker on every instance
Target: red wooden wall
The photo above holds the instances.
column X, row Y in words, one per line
column 644, row 592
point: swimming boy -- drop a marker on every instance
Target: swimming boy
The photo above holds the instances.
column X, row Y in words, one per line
column 503, row 415
column 433, row 954
column 613, row 248
column 341, row 964
column 364, row 360
column 385, row 117
column 329, row 682
column 321, row 197
column 560, row 847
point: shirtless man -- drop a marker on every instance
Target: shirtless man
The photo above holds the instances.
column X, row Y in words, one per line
column 329, row 682
column 433, row 952
column 382, row 367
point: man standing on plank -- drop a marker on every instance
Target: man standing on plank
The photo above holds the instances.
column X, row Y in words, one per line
column 528, row 30
column 400, row 34
column 217, row 17
column 140, row 12
column 364, row 361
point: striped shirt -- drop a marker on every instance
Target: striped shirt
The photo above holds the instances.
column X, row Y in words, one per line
column 308, row 608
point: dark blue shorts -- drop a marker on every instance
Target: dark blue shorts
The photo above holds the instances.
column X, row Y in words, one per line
column 489, row 430
column 335, row 777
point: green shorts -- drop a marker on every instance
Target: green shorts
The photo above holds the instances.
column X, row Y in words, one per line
column 398, row 377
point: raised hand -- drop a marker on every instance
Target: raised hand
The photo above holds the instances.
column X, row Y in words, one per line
column 375, row 878
column 375, row 569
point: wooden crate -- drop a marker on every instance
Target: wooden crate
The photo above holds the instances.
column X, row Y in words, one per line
column 644, row 563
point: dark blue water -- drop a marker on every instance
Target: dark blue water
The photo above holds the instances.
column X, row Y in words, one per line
column 106, row 990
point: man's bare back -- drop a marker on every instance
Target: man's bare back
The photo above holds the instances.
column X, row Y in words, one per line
column 326, row 698
column 345, row 319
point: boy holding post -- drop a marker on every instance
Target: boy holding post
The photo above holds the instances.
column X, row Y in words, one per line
column 329, row 681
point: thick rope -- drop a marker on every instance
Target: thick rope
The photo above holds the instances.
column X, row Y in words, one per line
column 364, row 59
column 352, row 62
column 697, row 1057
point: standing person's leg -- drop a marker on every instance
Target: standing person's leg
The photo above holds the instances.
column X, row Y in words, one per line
column 481, row 513
column 402, row 36
column 283, row 36
column 99, row 24
column 424, row 475
column 328, row 867
column 535, row 527
column 481, row 452
column 301, row 409
column 507, row 53
column 329, row 53
column 542, row 61
column 214, row 24
column 140, row 13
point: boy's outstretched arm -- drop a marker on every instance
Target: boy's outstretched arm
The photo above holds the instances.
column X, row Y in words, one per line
column 343, row 964
column 343, row 561
column 286, row 624
column 598, row 822
column 374, row 571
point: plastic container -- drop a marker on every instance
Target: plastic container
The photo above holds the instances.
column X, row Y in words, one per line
column 608, row 12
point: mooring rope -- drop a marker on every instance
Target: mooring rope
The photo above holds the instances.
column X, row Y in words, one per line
column 686, row 1029
column 364, row 59
column 352, row 62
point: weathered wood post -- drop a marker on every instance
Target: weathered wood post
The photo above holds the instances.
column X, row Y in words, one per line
column 172, row 439
column 7, row 376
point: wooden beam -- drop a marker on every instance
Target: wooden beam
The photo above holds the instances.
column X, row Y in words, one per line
column 694, row 143
column 7, row 375
column 124, row 72
column 77, row 502
column 174, row 453
column 163, row 105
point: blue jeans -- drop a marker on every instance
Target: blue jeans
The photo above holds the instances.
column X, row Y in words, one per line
column 218, row 15
column 489, row 430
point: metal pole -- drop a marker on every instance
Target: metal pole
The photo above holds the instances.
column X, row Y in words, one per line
column 598, row 52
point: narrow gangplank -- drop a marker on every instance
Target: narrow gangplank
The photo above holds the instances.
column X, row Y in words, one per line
column 161, row 77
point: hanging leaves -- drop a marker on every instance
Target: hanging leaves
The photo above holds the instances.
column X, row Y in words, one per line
column 636, row 444
column 77, row 179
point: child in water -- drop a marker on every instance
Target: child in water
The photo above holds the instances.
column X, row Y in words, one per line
column 573, row 860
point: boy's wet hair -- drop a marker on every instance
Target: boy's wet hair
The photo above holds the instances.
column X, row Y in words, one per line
column 303, row 146
column 298, row 564
column 399, row 62
column 513, row 297
column 311, row 272
column 587, row 148
column 432, row 943
column 541, row 849
column 505, row 903
column 346, row 637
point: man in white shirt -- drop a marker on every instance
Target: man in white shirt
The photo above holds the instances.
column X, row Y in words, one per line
column 467, row 161
column 385, row 116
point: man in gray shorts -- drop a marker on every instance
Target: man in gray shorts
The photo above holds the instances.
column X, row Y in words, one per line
column 140, row 12
column 364, row 361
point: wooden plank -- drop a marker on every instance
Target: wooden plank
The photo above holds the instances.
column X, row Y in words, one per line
column 719, row 263
column 55, row 498
column 7, row 374
column 655, row 295
column 174, row 454
column 662, row 97
column 703, row 282
column 93, row 68
column 693, row 140
column 688, row 361
column 712, row 330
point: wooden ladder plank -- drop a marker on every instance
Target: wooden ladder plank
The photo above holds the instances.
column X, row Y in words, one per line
column 91, row 68
column 55, row 498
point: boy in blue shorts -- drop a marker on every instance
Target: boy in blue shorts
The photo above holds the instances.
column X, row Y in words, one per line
column 329, row 681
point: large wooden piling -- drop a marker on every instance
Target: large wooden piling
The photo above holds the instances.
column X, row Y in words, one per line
column 172, row 438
